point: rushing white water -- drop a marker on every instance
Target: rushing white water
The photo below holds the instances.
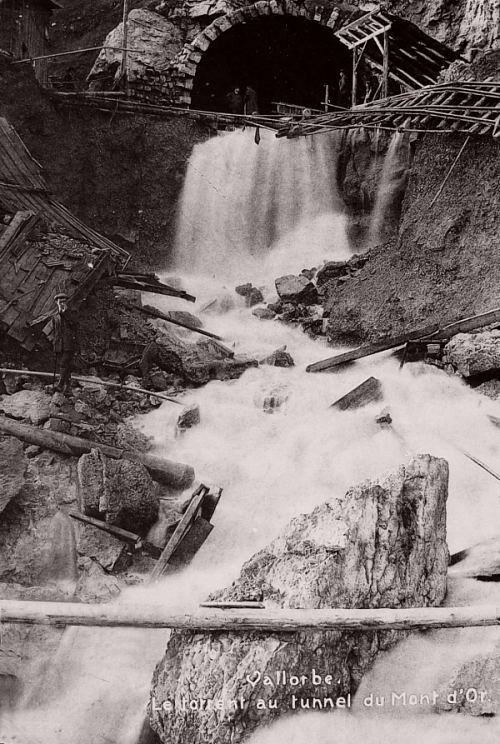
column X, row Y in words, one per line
column 273, row 467
column 275, row 202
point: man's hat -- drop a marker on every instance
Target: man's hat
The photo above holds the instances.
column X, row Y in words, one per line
column 61, row 296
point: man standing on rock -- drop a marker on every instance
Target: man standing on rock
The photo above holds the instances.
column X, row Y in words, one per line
column 65, row 342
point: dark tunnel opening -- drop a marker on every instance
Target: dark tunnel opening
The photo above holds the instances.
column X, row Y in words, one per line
column 282, row 58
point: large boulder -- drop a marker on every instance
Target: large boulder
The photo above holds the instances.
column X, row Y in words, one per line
column 296, row 289
column 473, row 353
column 132, row 497
column 332, row 270
column 27, row 404
column 120, row 490
column 156, row 40
column 13, row 464
column 382, row 545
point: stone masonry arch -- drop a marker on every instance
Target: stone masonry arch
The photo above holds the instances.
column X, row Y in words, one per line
column 184, row 66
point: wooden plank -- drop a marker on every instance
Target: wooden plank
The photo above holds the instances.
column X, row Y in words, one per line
column 174, row 474
column 136, row 541
column 191, row 543
column 385, row 66
column 17, row 231
column 128, row 282
column 368, row 350
column 139, row 615
column 154, row 313
column 368, row 391
column 464, row 325
column 95, row 381
column 187, row 520
column 228, row 605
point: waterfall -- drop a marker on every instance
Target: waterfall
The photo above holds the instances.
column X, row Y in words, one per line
column 390, row 188
column 243, row 203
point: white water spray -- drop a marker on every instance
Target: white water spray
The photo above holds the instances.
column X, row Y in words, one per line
column 247, row 208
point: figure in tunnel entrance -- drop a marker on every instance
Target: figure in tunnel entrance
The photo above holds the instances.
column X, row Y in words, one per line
column 251, row 103
column 235, row 101
column 344, row 94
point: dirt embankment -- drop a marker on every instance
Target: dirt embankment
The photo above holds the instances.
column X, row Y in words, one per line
column 122, row 175
column 443, row 264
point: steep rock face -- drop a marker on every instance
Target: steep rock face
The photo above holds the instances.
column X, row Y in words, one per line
column 463, row 24
column 383, row 544
column 431, row 271
column 13, row 466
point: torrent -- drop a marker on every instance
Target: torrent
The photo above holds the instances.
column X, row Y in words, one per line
column 263, row 212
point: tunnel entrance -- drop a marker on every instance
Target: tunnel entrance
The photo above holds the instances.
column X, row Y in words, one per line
column 282, row 58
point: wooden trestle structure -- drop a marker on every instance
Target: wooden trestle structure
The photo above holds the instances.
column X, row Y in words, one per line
column 468, row 106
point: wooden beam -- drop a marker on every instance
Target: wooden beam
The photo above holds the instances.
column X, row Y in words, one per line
column 143, row 284
column 135, row 541
column 154, row 313
column 17, row 231
column 367, row 350
column 435, row 333
column 124, row 59
column 180, row 531
column 369, row 391
column 354, row 91
column 266, row 621
column 174, row 474
column 92, row 381
column 229, row 605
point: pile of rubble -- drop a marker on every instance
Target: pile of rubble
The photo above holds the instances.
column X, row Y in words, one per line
column 303, row 299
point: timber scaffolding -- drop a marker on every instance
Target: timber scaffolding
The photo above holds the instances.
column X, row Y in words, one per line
column 114, row 102
column 468, row 106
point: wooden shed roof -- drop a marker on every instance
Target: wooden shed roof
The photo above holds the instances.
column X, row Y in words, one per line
column 415, row 58
column 34, row 268
column 23, row 187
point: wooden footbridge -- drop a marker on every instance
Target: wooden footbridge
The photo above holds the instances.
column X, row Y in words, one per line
column 468, row 106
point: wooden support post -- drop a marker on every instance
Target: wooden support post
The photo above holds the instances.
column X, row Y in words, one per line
column 354, row 76
column 385, row 68
column 327, row 98
column 124, row 64
column 266, row 621
column 174, row 474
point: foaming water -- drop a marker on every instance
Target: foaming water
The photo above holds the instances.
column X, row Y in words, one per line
column 274, row 466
